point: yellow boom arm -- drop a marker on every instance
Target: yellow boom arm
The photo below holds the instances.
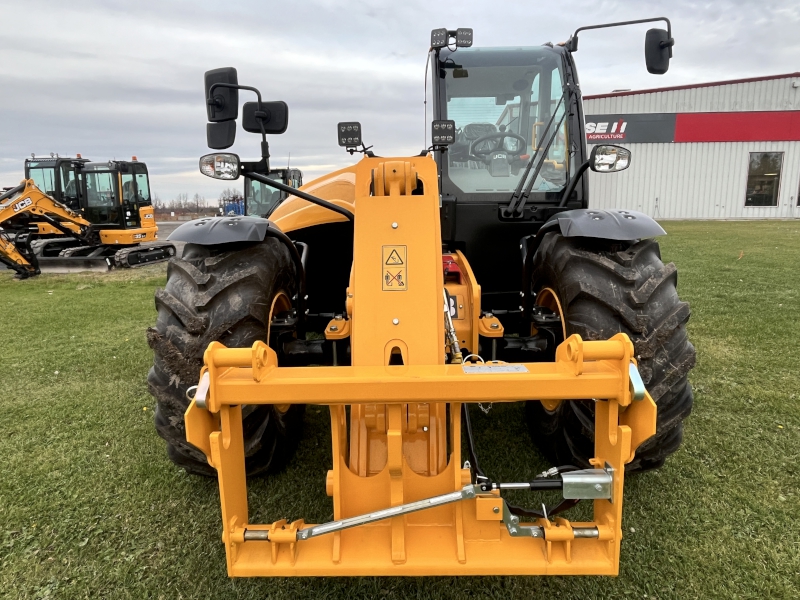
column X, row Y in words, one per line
column 31, row 200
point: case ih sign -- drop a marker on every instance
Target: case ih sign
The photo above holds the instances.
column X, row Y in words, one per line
column 666, row 128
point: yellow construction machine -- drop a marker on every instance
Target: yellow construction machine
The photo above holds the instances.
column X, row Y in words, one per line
column 70, row 214
column 400, row 292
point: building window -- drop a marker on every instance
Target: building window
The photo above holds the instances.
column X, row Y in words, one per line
column 763, row 178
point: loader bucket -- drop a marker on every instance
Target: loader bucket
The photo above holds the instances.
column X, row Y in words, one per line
column 405, row 500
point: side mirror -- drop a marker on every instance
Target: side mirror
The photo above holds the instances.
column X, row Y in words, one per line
column 220, row 166
column 658, row 50
column 220, row 136
column 609, row 159
column 222, row 107
column 273, row 115
column 222, row 103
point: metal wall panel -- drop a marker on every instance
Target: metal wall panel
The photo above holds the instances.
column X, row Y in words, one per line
column 696, row 181
column 771, row 94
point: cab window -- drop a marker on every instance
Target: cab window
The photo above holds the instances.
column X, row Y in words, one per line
column 45, row 179
column 142, row 188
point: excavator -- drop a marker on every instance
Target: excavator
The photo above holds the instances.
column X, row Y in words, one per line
column 71, row 214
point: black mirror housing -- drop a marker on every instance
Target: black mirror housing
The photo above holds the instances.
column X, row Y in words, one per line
column 220, row 136
column 273, row 115
column 222, row 103
column 657, row 50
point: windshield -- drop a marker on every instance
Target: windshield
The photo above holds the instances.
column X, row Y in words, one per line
column 502, row 101
column 44, row 177
column 101, row 198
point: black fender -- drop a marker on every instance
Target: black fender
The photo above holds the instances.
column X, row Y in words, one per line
column 613, row 224
column 211, row 231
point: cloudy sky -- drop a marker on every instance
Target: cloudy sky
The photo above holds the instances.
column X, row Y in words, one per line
column 112, row 79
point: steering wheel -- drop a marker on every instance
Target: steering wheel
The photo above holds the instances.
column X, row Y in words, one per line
column 483, row 155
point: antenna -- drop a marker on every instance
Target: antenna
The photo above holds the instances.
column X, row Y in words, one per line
column 288, row 161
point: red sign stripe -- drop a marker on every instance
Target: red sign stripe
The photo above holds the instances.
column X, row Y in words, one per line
column 771, row 126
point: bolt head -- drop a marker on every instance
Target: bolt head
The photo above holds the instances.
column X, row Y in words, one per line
column 496, row 509
column 334, row 328
column 394, row 225
column 494, row 326
column 395, row 321
column 598, row 487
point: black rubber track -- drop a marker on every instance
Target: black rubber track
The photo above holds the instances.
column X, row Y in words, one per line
column 606, row 287
column 219, row 293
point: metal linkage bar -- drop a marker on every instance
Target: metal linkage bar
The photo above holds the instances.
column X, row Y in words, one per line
column 468, row 491
column 586, row 484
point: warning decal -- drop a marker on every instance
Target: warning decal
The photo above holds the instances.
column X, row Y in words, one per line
column 395, row 268
column 394, row 258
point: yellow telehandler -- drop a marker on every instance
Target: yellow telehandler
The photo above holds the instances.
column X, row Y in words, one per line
column 400, row 292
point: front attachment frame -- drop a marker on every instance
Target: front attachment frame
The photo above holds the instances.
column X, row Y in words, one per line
column 475, row 534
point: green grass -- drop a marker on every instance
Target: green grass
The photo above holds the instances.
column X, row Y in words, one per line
column 91, row 507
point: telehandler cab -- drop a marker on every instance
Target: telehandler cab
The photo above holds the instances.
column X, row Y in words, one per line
column 399, row 292
column 70, row 214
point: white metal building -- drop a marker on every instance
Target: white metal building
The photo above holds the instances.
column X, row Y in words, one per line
column 722, row 150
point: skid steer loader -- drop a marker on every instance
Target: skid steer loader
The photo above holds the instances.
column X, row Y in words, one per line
column 401, row 291
column 70, row 214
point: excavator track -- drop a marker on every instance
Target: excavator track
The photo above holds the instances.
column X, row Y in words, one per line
column 136, row 256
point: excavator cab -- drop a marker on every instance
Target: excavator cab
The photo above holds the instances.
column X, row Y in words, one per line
column 114, row 193
column 57, row 177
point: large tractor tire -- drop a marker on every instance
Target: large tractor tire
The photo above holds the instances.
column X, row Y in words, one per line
column 228, row 294
column 601, row 288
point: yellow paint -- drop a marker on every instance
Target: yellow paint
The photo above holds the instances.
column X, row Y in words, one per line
column 396, row 447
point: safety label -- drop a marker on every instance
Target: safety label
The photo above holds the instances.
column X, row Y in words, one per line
column 395, row 268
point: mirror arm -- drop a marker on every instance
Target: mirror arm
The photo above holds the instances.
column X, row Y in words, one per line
column 261, row 117
column 572, row 43
column 574, row 183
column 295, row 192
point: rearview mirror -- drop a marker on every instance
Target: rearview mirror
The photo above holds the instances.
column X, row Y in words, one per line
column 657, row 50
column 220, row 136
column 222, row 103
column 274, row 116
column 609, row 159
column 220, row 166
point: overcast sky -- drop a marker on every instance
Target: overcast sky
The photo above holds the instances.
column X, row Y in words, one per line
column 112, row 79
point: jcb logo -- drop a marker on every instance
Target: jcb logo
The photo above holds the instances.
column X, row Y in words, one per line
column 139, row 236
column 22, row 204
column 148, row 216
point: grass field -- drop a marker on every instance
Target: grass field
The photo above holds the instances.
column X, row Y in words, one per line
column 91, row 507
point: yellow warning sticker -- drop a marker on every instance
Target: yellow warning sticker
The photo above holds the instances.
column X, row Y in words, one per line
column 395, row 268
